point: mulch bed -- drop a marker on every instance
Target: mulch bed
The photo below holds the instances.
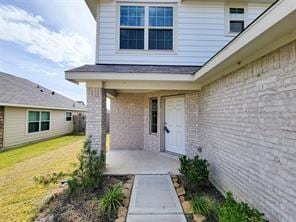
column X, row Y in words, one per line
column 185, row 195
column 82, row 206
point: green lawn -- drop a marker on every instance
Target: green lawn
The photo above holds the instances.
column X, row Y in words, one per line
column 20, row 197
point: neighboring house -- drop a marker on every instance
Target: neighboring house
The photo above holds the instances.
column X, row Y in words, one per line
column 181, row 82
column 30, row 112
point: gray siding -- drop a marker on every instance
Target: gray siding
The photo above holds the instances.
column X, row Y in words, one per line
column 199, row 34
column 1, row 126
column 15, row 126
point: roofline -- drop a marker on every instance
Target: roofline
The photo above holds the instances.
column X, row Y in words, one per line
column 91, row 6
column 77, row 77
column 38, row 107
column 258, row 29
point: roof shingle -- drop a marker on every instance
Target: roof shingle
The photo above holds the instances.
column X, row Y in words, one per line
column 119, row 68
column 19, row 91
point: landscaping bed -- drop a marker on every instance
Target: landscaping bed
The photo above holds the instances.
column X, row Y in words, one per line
column 85, row 194
column 185, row 196
column 202, row 202
column 86, row 205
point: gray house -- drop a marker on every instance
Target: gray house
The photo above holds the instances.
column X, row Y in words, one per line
column 213, row 78
column 30, row 112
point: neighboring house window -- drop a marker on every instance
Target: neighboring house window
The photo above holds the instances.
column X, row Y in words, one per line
column 38, row 121
column 68, row 116
column 236, row 20
column 153, row 33
column 153, row 115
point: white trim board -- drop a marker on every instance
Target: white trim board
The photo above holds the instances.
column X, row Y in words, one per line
column 38, row 107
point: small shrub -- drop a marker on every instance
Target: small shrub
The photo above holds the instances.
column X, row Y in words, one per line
column 231, row 211
column 194, row 170
column 50, row 178
column 89, row 171
column 111, row 200
column 202, row 205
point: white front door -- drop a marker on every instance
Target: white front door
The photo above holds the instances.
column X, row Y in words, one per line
column 175, row 125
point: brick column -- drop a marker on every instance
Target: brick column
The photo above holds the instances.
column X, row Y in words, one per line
column 1, row 126
column 96, row 117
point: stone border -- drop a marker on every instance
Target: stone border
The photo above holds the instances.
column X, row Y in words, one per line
column 184, row 202
column 127, row 190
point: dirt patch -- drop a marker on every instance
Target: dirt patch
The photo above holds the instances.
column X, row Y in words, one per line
column 84, row 206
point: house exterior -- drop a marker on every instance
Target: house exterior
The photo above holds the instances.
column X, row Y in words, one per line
column 210, row 78
column 30, row 112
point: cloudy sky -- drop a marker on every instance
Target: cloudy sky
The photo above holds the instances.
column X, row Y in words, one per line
column 40, row 39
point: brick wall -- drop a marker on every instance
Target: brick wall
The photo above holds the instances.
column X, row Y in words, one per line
column 1, row 126
column 96, row 112
column 127, row 121
column 247, row 129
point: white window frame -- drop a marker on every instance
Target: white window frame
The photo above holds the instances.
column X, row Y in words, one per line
column 227, row 17
column 27, row 121
column 150, row 115
column 66, row 116
column 146, row 29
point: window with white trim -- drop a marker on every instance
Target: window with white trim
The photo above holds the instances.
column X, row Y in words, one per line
column 153, row 115
column 68, row 116
column 38, row 121
column 236, row 20
column 132, row 27
column 146, row 27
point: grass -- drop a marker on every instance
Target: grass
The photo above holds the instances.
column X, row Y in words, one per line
column 12, row 156
column 20, row 196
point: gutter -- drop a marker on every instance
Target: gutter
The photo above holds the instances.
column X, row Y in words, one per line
column 40, row 107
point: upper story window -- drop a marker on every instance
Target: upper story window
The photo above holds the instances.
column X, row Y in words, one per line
column 146, row 27
column 161, row 28
column 132, row 27
column 236, row 20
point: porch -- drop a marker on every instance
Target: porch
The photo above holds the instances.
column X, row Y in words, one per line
column 122, row 162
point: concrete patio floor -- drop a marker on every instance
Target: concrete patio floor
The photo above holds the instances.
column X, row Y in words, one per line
column 123, row 162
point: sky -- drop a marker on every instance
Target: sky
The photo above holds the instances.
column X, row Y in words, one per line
column 41, row 39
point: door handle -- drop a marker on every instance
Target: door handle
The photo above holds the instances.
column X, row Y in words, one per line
column 166, row 130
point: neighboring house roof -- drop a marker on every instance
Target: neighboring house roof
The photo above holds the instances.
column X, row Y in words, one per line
column 16, row 91
column 117, row 68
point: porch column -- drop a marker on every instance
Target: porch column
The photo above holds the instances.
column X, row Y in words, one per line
column 96, row 116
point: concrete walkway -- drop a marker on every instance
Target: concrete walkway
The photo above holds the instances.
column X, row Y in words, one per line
column 154, row 199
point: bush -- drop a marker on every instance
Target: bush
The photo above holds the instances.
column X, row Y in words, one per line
column 90, row 170
column 231, row 211
column 202, row 205
column 50, row 178
column 194, row 170
column 111, row 200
